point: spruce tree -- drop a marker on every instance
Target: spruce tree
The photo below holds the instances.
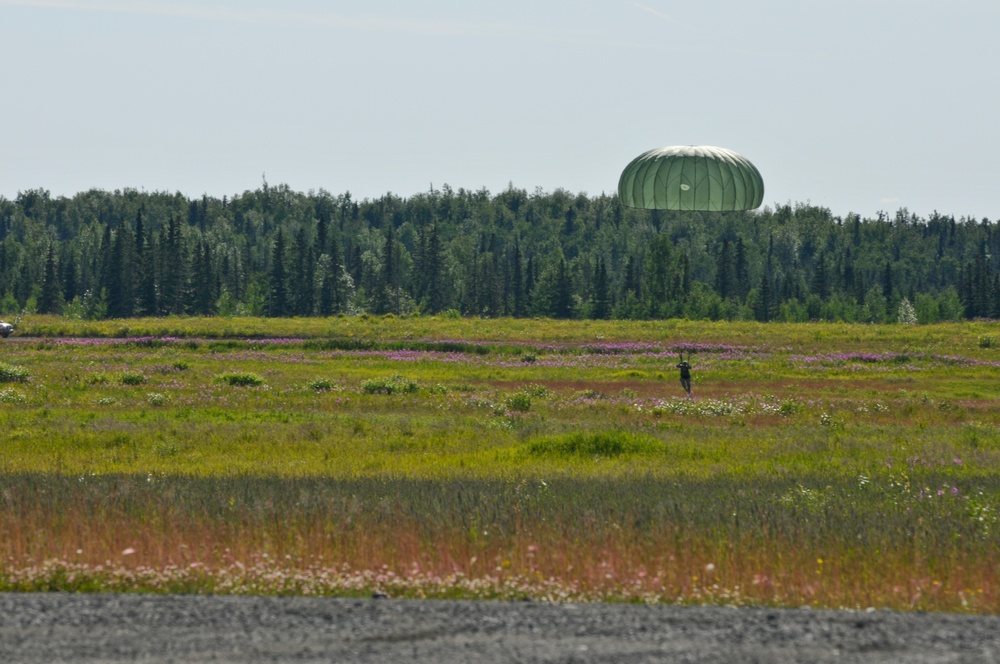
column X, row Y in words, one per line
column 355, row 266
column 50, row 301
column 205, row 286
column 277, row 301
column 68, row 278
column 140, row 236
column 302, row 275
column 428, row 287
column 147, row 304
column 173, row 268
column 766, row 304
column 104, row 260
column 564, row 292
column 387, row 287
column 144, row 304
column 553, row 293
column 325, row 286
column 120, row 279
column 337, row 273
column 530, row 281
column 436, row 295
column 601, row 304
column 887, row 284
column 488, row 286
column 685, row 275
column 763, row 312
column 517, row 279
column 725, row 272
column 322, row 229
column 630, row 283
column 742, row 270
column 821, row 281
column 656, row 277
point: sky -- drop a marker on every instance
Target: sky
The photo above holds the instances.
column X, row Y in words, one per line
column 855, row 105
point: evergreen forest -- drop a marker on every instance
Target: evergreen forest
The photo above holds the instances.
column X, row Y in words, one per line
column 277, row 252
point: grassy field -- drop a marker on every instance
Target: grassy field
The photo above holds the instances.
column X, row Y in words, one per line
column 822, row 464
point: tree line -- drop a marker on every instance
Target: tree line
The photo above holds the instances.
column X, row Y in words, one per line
column 277, row 252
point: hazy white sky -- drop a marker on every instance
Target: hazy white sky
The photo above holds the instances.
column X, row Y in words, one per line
column 856, row 105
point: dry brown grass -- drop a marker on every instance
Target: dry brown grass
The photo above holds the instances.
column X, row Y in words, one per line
column 510, row 539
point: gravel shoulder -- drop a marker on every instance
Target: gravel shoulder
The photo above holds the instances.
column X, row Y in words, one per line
column 177, row 628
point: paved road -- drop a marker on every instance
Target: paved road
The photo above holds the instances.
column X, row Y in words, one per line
column 165, row 628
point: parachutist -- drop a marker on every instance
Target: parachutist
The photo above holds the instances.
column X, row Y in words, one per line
column 685, row 368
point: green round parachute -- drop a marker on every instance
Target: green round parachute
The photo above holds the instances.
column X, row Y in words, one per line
column 691, row 177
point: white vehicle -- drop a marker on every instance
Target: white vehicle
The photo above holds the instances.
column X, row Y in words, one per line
column 5, row 329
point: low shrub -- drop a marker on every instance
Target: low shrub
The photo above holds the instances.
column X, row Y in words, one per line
column 11, row 396
column 321, row 385
column 789, row 407
column 131, row 378
column 10, row 373
column 157, row 399
column 394, row 384
column 536, row 390
column 519, row 401
column 240, row 379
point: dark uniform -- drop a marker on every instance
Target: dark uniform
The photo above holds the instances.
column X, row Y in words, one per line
column 685, row 375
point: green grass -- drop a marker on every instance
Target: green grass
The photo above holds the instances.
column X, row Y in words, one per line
column 367, row 331
column 600, row 444
column 371, row 442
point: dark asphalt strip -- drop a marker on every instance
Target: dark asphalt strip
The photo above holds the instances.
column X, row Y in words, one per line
column 177, row 628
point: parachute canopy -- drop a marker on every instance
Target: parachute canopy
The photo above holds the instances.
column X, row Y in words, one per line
column 691, row 177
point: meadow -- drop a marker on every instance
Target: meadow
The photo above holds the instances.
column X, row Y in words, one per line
column 828, row 465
